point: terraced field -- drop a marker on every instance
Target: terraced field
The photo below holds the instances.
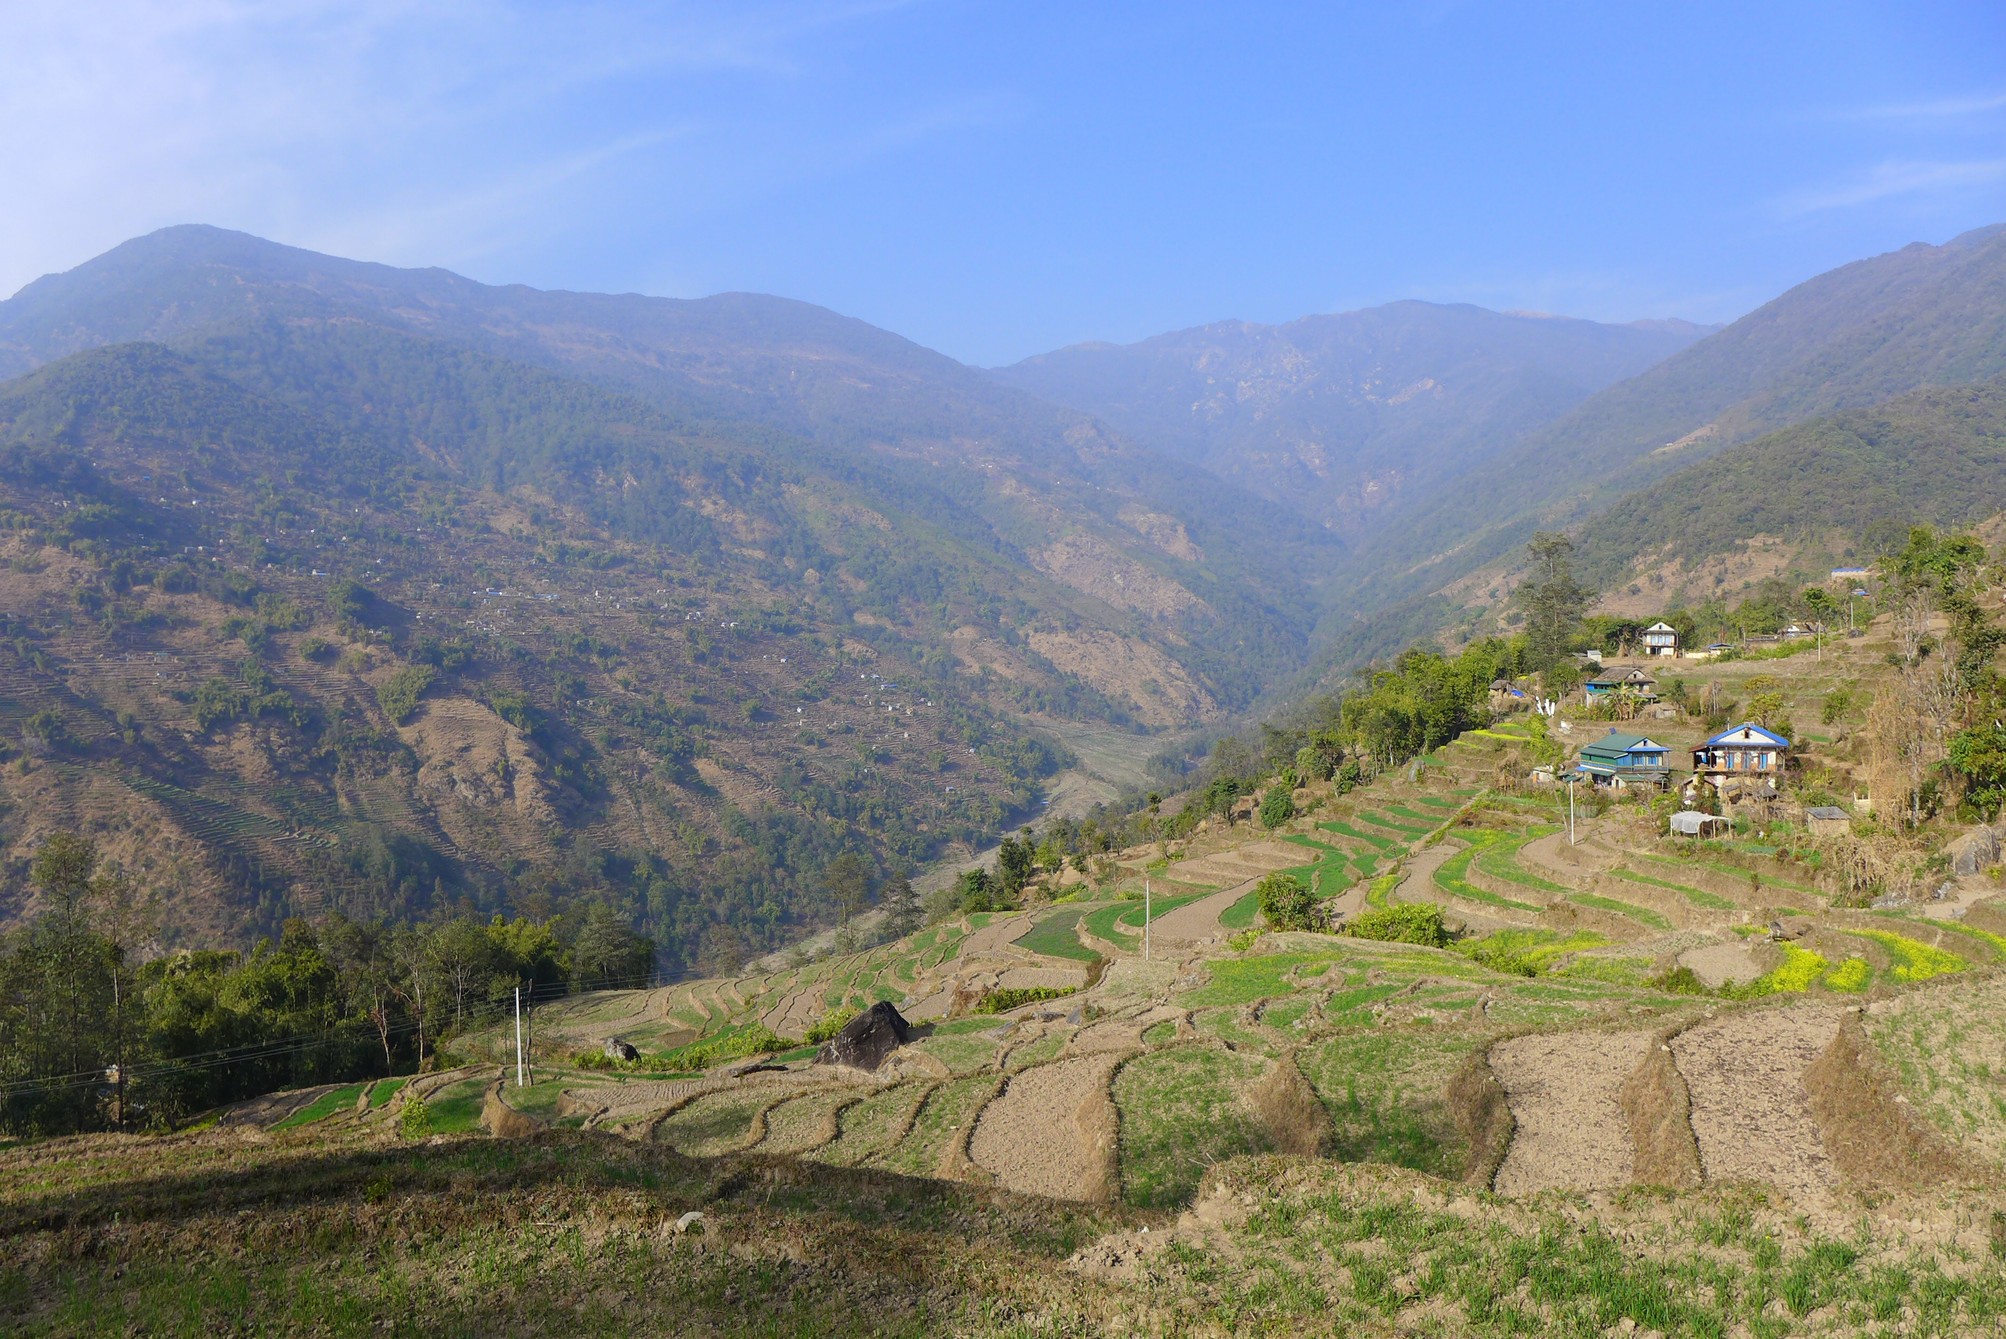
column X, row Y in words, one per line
column 1550, row 1041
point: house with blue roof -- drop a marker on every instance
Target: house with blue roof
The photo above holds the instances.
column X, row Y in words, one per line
column 1619, row 761
column 1742, row 759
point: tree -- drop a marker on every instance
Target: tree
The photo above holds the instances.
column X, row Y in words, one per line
column 1278, row 806
column 1552, row 600
column 1978, row 757
column 903, row 912
column 1015, row 863
column 847, row 880
column 1286, row 904
column 609, row 954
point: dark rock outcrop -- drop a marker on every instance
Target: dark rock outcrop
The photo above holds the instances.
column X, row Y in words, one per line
column 867, row 1039
column 620, row 1050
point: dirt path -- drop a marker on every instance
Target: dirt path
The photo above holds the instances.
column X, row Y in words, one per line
column 1419, row 885
column 1562, row 1089
column 1031, row 1140
column 1195, row 922
column 1750, row 1111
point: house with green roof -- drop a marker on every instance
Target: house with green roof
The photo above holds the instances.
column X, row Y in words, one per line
column 1620, row 760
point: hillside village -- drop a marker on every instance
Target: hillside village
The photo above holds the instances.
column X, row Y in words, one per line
column 1623, row 937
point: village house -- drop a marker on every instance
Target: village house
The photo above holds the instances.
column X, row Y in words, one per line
column 1661, row 639
column 1619, row 761
column 1797, row 632
column 1631, row 678
column 1742, row 762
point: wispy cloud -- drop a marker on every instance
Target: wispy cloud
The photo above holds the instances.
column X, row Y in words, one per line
column 1889, row 181
column 431, row 131
column 1933, row 109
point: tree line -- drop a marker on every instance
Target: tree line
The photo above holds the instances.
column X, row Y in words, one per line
column 97, row 1032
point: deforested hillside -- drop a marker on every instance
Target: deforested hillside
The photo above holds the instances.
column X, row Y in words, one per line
column 338, row 586
column 451, row 624
column 1339, row 416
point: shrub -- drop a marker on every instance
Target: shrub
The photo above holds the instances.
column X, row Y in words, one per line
column 755, row 1040
column 1002, row 1001
column 398, row 695
column 1402, row 923
column 415, row 1120
column 1286, row 904
column 1278, row 806
column 832, row 1022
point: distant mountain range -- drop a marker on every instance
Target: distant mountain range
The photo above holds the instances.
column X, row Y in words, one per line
column 1345, row 416
column 329, row 583
column 1853, row 337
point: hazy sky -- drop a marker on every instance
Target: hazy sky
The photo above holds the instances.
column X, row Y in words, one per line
column 996, row 179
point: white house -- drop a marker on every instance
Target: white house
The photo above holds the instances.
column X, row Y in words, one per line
column 1661, row 639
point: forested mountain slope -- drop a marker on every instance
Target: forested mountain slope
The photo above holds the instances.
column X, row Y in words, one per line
column 1852, row 337
column 312, row 610
column 1935, row 456
column 1339, row 415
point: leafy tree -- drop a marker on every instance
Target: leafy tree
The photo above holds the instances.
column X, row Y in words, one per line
column 1015, row 864
column 847, row 880
column 1551, row 598
column 609, row 953
column 1278, row 806
column 975, row 890
column 903, row 912
column 1978, row 758
column 1286, row 904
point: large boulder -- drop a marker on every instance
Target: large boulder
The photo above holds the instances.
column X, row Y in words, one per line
column 867, row 1039
column 618, row 1050
column 1974, row 851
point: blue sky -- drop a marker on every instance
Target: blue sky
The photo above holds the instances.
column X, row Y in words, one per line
column 996, row 179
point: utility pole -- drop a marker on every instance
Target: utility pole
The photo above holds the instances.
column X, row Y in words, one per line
column 1145, row 918
column 1570, row 811
column 518, row 1036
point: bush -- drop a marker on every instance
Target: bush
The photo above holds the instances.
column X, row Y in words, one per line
column 1278, row 806
column 1002, row 1001
column 398, row 695
column 415, row 1120
column 755, row 1040
column 1404, row 923
column 1679, row 981
column 832, row 1022
column 1286, row 904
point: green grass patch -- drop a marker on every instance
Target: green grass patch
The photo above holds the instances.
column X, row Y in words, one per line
column 1379, row 841
column 1379, row 893
column 1244, row 980
column 1527, row 952
column 385, row 1089
column 1699, row 897
column 1055, row 936
column 1181, row 1113
column 327, row 1104
column 1451, row 876
column 1240, row 916
column 1642, row 915
column 1380, row 820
